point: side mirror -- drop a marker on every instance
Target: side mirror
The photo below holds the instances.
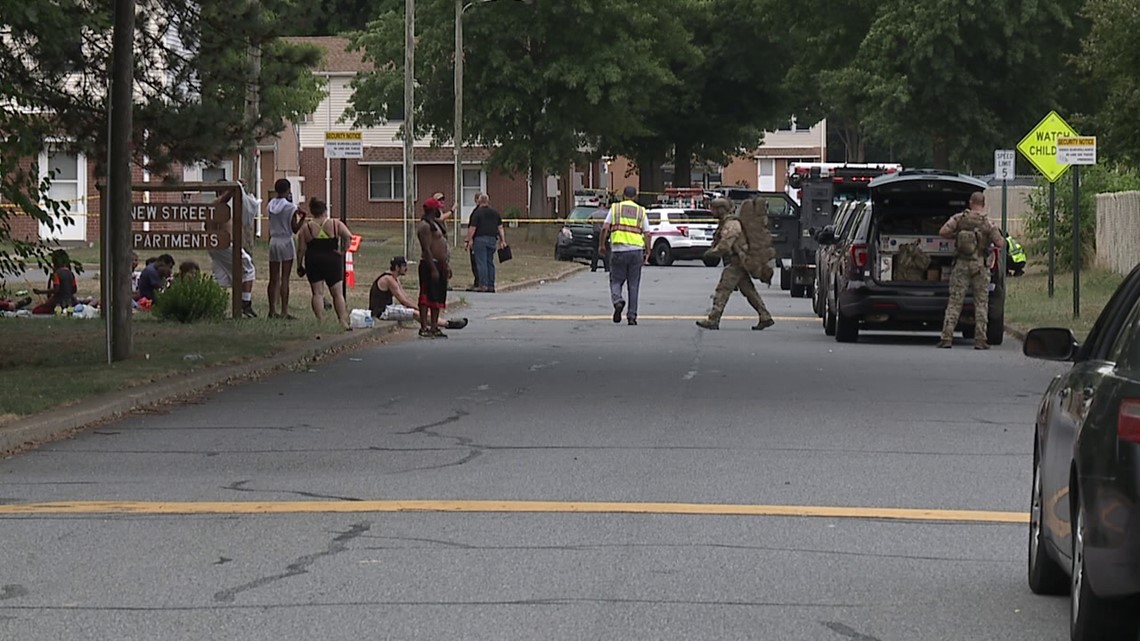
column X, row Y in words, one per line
column 1050, row 343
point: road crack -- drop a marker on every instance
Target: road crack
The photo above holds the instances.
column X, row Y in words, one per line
column 239, row 486
column 300, row 566
column 850, row 633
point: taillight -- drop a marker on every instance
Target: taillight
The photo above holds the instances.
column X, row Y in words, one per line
column 1128, row 421
column 683, row 229
column 859, row 255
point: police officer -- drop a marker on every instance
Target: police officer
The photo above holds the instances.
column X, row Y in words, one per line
column 731, row 244
column 627, row 229
column 973, row 234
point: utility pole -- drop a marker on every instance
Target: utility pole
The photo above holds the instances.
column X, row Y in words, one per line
column 409, row 119
column 458, row 116
column 118, row 193
column 252, row 115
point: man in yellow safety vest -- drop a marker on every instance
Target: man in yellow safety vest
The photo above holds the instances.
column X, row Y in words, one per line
column 627, row 228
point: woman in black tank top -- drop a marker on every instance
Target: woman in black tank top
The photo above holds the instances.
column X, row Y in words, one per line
column 321, row 259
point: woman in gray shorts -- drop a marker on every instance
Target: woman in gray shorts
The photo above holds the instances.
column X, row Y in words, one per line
column 284, row 221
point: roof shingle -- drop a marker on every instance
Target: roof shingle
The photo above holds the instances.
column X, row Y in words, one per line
column 337, row 59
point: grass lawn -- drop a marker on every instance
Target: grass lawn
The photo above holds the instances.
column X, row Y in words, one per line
column 47, row 362
column 1028, row 304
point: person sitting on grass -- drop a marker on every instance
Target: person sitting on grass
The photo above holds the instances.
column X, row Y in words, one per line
column 388, row 300
column 62, row 285
column 153, row 278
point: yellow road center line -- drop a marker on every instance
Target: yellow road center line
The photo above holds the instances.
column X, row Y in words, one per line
column 609, row 317
column 337, row 507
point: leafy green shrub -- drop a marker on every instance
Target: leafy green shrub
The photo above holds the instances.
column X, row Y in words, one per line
column 191, row 298
column 1095, row 179
column 512, row 212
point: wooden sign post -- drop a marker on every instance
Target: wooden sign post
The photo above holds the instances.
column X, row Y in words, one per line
column 183, row 226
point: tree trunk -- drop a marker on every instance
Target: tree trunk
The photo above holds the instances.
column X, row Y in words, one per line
column 941, row 152
column 682, row 165
column 650, row 177
column 538, row 207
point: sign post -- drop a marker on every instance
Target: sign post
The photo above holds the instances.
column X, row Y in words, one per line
column 1004, row 170
column 1076, row 151
column 344, row 145
column 1040, row 147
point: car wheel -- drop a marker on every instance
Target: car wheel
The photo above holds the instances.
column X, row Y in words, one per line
column 829, row 320
column 785, row 279
column 846, row 329
column 663, row 254
column 711, row 262
column 799, row 291
column 995, row 331
column 1091, row 617
column 817, row 300
column 1046, row 576
column 809, row 291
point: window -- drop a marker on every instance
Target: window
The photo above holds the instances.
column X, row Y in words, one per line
column 386, row 183
column 767, row 167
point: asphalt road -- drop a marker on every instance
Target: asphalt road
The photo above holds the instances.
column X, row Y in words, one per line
column 542, row 398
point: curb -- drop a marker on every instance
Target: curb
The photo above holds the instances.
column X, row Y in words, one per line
column 539, row 281
column 1015, row 332
column 57, row 424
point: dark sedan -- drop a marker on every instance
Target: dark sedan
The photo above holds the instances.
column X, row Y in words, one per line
column 1084, row 536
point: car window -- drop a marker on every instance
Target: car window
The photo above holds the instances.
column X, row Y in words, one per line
column 1125, row 350
column 677, row 217
column 654, row 217
column 1102, row 342
column 856, row 221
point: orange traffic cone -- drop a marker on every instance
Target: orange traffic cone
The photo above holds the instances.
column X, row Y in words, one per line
column 349, row 270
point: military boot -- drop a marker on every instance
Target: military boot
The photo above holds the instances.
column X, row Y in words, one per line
column 945, row 343
column 708, row 324
column 981, row 344
column 764, row 324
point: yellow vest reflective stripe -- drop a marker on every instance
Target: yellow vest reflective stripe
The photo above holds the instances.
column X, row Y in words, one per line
column 626, row 226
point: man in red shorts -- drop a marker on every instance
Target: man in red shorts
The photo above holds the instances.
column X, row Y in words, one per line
column 434, row 269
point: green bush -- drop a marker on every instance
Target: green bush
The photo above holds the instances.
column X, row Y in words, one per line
column 191, row 298
column 512, row 212
column 1096, row 179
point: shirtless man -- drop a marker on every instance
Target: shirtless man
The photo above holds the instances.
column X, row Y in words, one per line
column 434, row 269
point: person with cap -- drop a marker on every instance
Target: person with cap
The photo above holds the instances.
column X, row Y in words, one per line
column 627, row 229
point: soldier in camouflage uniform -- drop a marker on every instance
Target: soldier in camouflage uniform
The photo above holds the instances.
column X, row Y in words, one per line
column 973, row 234
column 729, row 242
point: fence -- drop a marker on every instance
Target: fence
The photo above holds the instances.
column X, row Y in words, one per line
column 1118, row 231
column 1017, row 208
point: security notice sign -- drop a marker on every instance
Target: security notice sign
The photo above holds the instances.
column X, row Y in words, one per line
column 1076, row 150
column 344, row 144
column 1040, row 145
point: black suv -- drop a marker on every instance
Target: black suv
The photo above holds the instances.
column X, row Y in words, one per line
column 907, row 207
column 578, row 237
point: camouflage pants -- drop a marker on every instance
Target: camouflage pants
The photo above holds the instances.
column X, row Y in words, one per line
column 732, row 278
column 974, row 275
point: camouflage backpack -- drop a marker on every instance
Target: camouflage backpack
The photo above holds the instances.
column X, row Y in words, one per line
column 968, row 240
column 911, row 262
column 753, row 216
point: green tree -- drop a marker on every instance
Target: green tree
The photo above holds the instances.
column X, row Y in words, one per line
column 827, row 79
column 964, row 76
column 543, row 79
column 1111, row 59
column 190, row 84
